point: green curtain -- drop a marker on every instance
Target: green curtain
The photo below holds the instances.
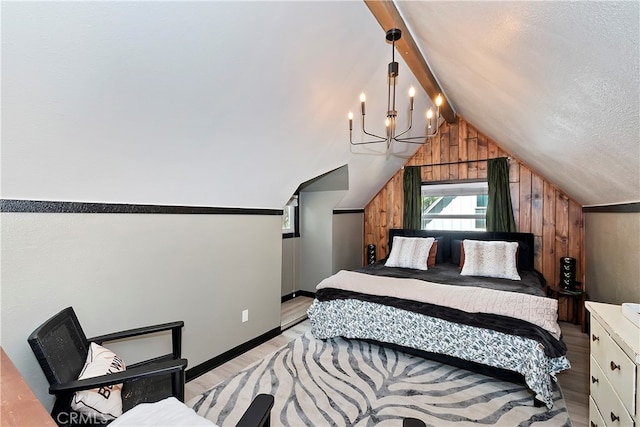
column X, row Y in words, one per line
column 412, row 183
column 499, row 209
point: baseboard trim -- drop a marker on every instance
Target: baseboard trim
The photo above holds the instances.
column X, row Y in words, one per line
column 306, row 294
column 288, row 297
column 214, row 362
column 292, row 295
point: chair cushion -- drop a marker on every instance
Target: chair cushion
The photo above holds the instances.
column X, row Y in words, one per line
column 104, row 403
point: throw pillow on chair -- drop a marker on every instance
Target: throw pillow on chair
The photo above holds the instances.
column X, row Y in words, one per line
column 104, row 403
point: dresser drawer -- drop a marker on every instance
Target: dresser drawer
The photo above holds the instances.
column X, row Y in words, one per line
column 595, row 418
column 615, row 364
column 599, row 342
column 621, row 372
column 612, row 409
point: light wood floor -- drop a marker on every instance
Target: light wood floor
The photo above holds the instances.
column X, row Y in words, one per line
column 574, row 383
column 293, row 311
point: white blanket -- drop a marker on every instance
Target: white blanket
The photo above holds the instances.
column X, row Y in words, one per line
column 168, row 412
column 540, row 311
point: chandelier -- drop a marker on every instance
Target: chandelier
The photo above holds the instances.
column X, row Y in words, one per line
column 432, row 118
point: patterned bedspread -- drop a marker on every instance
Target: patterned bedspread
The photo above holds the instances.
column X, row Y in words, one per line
column 540, row 311
column 411, row 316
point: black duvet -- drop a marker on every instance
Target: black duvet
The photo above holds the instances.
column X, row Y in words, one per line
column 446, row 273
column 531, row 283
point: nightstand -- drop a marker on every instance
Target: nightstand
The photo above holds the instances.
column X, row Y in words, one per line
column 574, row 297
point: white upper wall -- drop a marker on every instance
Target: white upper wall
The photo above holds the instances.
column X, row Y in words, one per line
column 237, row 103
column 188, row 103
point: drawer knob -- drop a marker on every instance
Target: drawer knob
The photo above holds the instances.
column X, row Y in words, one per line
column 594, row 338
column 593, row 379
column 614, row 418
column 614, row 366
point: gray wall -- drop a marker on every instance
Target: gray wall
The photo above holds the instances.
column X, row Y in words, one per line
column 290, row 265
column 346, row 248
column 612, row 252
column 316, row 236
column 348, row 241
column 122, row 271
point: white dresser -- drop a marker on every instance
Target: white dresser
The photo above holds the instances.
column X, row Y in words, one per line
column 614, row 376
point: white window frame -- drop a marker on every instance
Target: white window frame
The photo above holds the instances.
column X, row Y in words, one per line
column 291, row 208
column 454, row 189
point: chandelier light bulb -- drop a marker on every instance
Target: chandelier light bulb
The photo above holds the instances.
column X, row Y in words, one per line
column 350, row 115
column 362, row 97
column 439, row 100
column 412, row 92
column 430, row 114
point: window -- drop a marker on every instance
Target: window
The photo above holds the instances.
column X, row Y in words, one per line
column 290, row 218
column 455, row 206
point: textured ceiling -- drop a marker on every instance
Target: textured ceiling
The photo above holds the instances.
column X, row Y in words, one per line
column 237, row 103
column 554, row 83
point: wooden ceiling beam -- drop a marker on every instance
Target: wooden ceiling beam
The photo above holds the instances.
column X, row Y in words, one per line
column 388, row 17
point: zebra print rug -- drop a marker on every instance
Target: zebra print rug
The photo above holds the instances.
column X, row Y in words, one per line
column 351, row 383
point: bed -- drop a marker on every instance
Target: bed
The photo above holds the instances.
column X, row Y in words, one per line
column 470, row 299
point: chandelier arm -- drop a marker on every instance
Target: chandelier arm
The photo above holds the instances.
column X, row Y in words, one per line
column 382, row 138
column 372, row 134
column 363, row 142
column 408, row 129
column 412, row 142
column 366, row 142
column 400, row 134
column 408, row 140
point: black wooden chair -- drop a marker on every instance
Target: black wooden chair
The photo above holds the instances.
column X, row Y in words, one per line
column 258, row 414
column 413, row 422
column 61, row 348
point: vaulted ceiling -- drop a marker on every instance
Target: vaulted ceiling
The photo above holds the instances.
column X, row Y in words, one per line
column 237, row 103
column 555, row 83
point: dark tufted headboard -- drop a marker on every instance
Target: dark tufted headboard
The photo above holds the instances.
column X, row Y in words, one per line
column 525, row 241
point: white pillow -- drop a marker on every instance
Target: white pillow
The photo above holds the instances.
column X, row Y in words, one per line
column 104, row 403
column 410, row 252
column 490, row 259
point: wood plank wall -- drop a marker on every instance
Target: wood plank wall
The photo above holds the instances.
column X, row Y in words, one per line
column 539, row 207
